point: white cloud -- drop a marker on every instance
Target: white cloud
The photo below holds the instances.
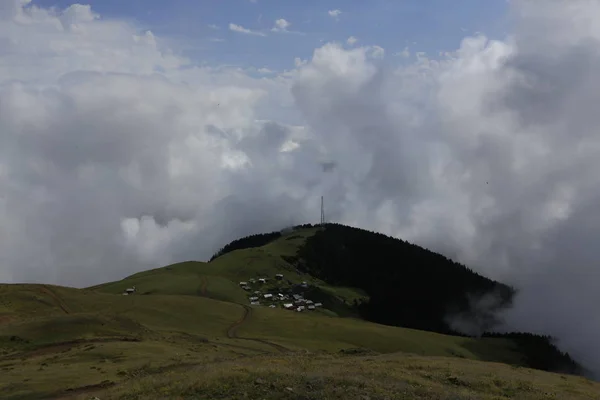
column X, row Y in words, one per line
column 213, row 26
column 281, row 25
column 298, row 62
column 489, row 155
column 241, row 29
column 265, row 71
column 404, row 53
column 377, row 51
column 351, row 40
column 334, row 13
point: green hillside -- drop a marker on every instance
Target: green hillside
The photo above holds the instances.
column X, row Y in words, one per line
column 188, row 331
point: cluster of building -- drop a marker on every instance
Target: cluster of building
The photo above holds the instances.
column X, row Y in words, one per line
column 129, row 291
column 285, row 297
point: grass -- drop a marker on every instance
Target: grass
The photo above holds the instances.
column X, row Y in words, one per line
column 188, row 333
column 397, row 376
column 319, row 332
column 220, row 278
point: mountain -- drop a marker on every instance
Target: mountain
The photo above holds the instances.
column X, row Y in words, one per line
column 407, row 285
column 189, row 331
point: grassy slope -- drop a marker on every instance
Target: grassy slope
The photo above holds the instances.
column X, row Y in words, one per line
column 220, row 278
column 395, row 376
column 53, row 338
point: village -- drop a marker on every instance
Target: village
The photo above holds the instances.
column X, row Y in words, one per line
column 290, row 298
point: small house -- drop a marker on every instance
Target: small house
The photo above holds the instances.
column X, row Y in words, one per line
column 297, row 297
column 281, row 295
column 252, row 281
column 247, row 288
column 130, row 290
column 255, row 303
column 298, row 309
column 268, row 296
column 257, row 292
column 309, row 302
column 318, row 304
column 253, row 298
column 262, row 280
column 279, row 276
column 243, row 283
column 272, row 306
column 288, row 306
column 311, row 307
column 125, row 293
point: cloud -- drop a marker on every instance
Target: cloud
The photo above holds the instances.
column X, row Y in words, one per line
column 241, row 29
column 281, row 25
column 117, row 155
column 265, row 71
column 377, row 51
column 334, row 13
column 351, row 40
column 213, row 26
column 405, row 53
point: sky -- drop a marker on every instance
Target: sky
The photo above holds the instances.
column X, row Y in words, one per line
column 203, row 27
column 134, row 134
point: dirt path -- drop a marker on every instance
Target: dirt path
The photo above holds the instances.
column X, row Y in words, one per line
column 46, row 289
column 232, row 331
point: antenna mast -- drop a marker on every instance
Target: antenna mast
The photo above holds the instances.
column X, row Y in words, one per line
column 322, row 212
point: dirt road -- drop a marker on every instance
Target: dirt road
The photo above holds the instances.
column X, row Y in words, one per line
column 232, row 331
column 57, row 300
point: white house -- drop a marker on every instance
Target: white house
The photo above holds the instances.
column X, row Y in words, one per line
column 268, row 296
column 279, row 276
column 311, row 307
column 130, row 290
column 253, row 298
column 288, row 305
column 255, row 303
column 243, row 283
column 262, row 280
column 318, row 304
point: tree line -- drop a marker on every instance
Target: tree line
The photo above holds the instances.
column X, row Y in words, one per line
column 540, row 352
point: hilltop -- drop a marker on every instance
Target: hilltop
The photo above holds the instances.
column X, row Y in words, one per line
column 380, row 329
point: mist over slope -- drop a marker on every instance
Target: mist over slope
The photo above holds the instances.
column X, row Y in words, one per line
column 488, row 153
